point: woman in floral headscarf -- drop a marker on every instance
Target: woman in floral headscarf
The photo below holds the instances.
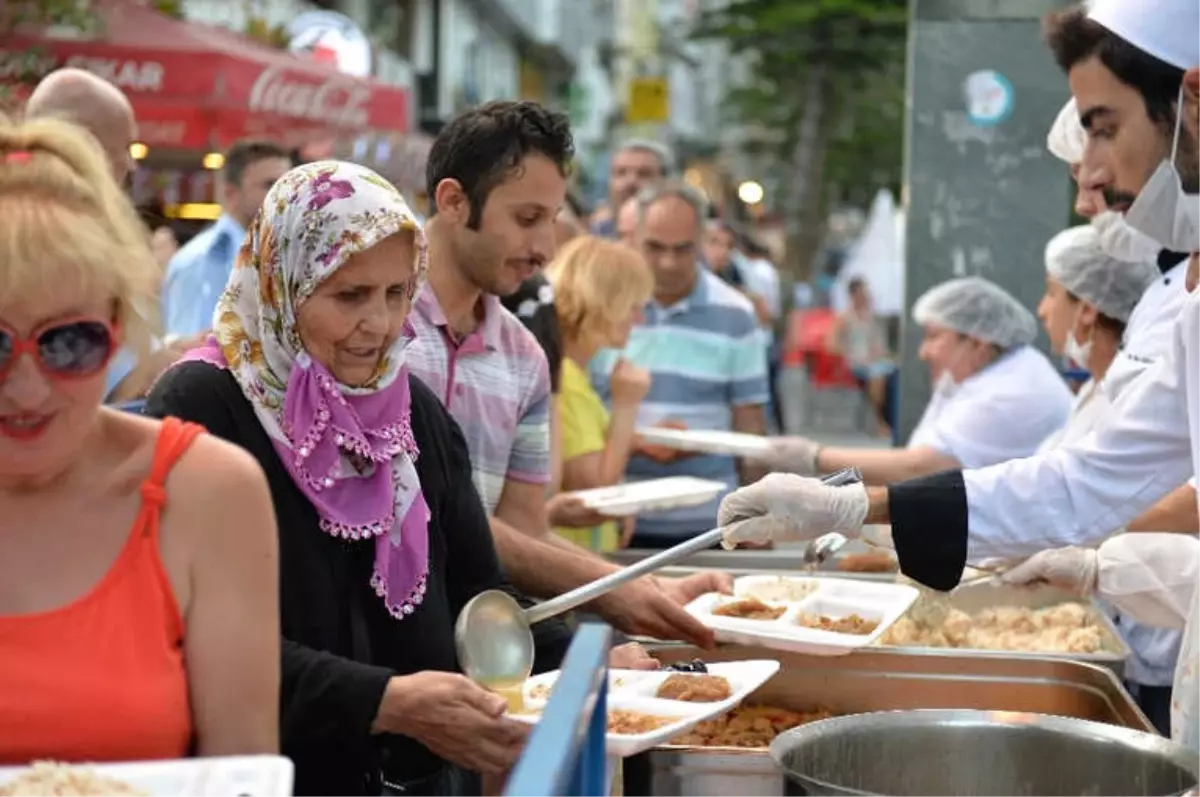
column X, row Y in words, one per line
column 382, row 537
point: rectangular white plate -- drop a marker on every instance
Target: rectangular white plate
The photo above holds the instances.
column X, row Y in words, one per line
column 634, row 690
column 707, row 441
column 829, row 596
column 652, row 495
column 252, row 776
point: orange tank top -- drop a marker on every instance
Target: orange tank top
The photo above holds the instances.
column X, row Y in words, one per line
column 102, row 678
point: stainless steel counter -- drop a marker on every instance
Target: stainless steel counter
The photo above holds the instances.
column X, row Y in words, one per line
column 879, row 680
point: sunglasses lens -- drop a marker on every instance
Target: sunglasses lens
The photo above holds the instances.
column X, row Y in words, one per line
column 75, row 349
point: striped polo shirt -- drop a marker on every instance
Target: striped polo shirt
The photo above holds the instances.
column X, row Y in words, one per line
column 496, row 384
column 705, row 356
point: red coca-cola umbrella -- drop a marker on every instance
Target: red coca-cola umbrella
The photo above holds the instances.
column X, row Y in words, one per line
column 198, row 86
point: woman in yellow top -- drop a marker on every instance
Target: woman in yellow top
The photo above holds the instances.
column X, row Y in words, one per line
column 600, row 288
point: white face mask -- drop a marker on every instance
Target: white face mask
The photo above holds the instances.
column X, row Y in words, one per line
column 1079, row 353
column 1162, row 210
column 945, row 385
column 1120, row 241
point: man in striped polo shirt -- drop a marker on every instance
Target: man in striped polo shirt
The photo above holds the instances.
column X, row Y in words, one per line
column 496, row 181
column 701, row 343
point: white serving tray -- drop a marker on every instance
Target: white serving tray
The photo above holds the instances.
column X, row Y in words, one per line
column 834, row 597
column 634, row 690
column 252, row 776
column 707, row 441
column 652, row 495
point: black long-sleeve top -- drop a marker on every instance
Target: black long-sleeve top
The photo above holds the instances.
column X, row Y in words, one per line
column 929, row 528
column 340, row 645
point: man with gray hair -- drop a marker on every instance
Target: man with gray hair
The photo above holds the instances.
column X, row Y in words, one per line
column 701, row 343
column 635, row 165
column 91, row 102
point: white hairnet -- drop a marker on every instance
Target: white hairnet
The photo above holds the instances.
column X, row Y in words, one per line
column 1075, row 259
column 979, row 309
column 1067, row 138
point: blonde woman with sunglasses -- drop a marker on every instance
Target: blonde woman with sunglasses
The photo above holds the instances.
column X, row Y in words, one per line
column 138, row 593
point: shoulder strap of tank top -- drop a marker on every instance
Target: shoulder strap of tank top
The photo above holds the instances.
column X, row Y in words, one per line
column 173, row 440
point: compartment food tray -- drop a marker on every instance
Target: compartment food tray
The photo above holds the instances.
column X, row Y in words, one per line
column 244, row 776
column 635, row 690
column 883, row 603
column 653, row 495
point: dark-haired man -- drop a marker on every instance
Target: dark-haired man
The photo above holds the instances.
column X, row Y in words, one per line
column 496, row 182
column 197, row 273
column 1133, row 66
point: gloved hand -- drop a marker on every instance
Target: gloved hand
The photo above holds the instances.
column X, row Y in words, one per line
column 1072, row 569
column 791, row 455
column 785, row 507
column 878, row 536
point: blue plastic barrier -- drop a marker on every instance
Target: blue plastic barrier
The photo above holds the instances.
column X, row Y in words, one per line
column 565, row 753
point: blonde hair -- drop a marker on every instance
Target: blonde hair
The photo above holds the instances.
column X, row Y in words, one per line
column 67, row 222
column 595, row 280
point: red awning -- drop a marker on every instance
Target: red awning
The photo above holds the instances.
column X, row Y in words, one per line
column 199, row 86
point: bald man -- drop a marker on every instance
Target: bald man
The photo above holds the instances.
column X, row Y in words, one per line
column 90, row 101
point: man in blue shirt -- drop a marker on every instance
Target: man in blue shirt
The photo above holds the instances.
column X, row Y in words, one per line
column 701, row 342
column 197, row 273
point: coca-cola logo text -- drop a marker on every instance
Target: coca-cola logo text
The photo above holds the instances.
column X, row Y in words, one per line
column 335, row 102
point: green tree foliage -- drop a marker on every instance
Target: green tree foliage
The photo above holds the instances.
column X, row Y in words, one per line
column 827, row 92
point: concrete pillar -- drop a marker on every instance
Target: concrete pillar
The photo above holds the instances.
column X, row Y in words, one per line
column 983, row 193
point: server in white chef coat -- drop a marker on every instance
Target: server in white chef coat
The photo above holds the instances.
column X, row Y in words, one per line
column 1148, row 333
column 995, row 397
column 1124, row 58
column 1089, row 298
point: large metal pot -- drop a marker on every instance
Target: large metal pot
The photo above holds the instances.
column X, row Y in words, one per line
column 973, row 753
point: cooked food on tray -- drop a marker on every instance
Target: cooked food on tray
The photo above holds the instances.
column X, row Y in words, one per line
column 749, row 609
column 1066, row 628
column 633, row 723
column 781, row 589
column 624, row 722
column 695, row 688
column 868, row 562
column 748, row 726
column 542, row 691
column 848, row 624
column 49, row 778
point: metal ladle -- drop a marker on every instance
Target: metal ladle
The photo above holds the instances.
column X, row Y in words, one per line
column 493, row 636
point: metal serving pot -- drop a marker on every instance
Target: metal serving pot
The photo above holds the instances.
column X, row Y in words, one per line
column 975, row 753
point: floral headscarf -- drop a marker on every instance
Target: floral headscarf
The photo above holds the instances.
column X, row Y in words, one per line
column 350, row 450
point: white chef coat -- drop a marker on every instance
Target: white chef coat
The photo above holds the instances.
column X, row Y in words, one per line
column 1079, row 493
column 1148, row 333
column 1152, row 578
column 1088, row 411
column 1000, row 413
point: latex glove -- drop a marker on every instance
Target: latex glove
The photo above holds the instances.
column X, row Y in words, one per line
column 785, row 507
column 1072, row 569
column 791, row 455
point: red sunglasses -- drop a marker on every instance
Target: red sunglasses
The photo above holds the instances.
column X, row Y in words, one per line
column 74, row 348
